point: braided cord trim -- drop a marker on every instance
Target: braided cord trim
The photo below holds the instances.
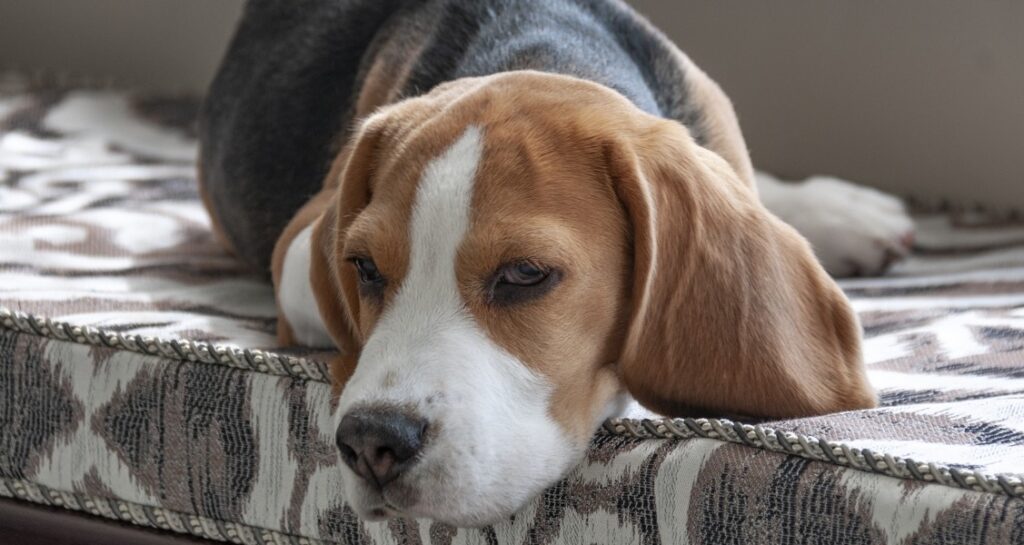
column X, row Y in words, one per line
column 184, row 350
column 759, row 437
column 813, row 448
column 148, row 516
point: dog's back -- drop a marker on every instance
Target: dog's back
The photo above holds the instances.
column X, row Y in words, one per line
column 297, row 76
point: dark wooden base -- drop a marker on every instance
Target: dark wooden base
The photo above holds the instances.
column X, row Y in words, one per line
column 25, row 523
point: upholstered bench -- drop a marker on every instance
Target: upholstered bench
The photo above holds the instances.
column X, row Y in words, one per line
column 139, row 379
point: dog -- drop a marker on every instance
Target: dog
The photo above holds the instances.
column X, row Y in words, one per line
column 513, row 218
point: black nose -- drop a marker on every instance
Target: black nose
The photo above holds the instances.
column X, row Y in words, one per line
column 378, row 444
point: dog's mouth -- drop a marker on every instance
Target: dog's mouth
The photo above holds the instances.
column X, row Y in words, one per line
column 373, row 505
column 394, row 500
column 398, row 500
column 383, row 512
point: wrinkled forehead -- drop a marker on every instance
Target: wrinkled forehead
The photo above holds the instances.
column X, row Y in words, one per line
column 513, row 176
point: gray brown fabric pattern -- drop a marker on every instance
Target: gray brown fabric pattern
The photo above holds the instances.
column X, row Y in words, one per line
column 137, row 418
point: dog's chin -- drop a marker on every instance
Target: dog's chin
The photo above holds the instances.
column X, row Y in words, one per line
column 472, row 511
column 373, row 507
column 467, row 505
column 379, row 512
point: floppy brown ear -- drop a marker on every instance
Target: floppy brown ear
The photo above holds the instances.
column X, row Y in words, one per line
column 344, row 195
column 731, row 311
column 349, row 185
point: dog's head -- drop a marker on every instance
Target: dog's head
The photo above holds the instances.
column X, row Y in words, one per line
column 502, row 259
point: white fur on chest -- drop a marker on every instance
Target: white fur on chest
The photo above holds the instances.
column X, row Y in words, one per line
column 295, row 295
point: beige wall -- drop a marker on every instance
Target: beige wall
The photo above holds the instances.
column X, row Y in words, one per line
column 922, row 97
column 161, row 44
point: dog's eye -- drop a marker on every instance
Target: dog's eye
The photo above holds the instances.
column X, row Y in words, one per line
column 369, row 275
column 521, row 282
column 524, row 274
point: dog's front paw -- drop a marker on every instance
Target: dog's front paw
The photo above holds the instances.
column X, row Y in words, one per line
column 854, row 230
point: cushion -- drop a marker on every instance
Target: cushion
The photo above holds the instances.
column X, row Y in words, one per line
column 139, row 378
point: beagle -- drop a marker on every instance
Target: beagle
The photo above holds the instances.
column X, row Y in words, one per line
column 511, row 218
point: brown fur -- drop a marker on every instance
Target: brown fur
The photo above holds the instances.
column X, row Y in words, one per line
column 677, row 282
column 308, row 214
column 731, row 311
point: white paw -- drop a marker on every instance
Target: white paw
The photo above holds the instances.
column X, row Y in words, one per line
column 854, row 230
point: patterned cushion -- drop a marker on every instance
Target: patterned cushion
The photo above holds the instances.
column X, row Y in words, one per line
column 124, row 393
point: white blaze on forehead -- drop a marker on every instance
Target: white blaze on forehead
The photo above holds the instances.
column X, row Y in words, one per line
column 440, row 219
column 428, row 313
column 496, row 443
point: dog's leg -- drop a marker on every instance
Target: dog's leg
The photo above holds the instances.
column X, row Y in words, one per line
column 854, row 230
